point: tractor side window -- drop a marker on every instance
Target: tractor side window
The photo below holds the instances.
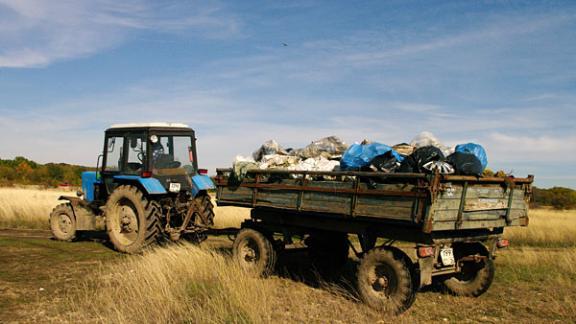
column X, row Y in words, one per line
column 183, row 153
column 136, row 154
column 114, row 148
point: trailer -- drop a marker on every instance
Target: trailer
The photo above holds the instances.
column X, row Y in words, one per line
column 452, row 225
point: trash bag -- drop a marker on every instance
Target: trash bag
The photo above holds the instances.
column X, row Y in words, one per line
column 426, row 154
column 386, row 162
column 269, row 147
column 428, row 139
column 358, row 156
column 315, row 164
column 240, row 169
column 275, row 161
column 475, row 149
column 465, row 163
column 328, row 147
column 408, row 165
column 425, row 139
column 403, row 149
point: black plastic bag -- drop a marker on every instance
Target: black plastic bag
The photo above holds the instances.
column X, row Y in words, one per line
column 408, row 165
column 465, row 163
column 386, row 162
column 424, row 155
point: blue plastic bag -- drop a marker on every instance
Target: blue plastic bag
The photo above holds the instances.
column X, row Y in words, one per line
column 358, row 155
column 475, row 149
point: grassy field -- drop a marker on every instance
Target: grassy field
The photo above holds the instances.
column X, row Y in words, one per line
column 43, row 280
column 28, row 207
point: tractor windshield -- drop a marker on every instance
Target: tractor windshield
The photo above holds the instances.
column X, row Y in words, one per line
column 172, row 155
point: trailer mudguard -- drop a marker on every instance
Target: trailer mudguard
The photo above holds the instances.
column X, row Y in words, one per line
column 151, row 185
column 89, row 182
column 201, row 183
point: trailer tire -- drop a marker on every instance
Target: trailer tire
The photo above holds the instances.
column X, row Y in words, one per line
column 385, row 280
column 132, row 221
column 63, row 223
column 475, row 278
column 254, row 252
column 328, row 252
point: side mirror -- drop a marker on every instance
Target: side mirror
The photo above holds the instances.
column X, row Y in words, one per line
column 98, row 165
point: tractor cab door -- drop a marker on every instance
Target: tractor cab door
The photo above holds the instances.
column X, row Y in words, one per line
column 124, row 154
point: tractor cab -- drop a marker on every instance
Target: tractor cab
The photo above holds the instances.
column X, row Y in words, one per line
column 159, row 157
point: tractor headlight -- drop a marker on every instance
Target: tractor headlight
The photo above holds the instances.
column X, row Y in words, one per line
column 153, row 139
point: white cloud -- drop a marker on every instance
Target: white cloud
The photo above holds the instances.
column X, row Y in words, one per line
column 36, row 33
column 539, row 148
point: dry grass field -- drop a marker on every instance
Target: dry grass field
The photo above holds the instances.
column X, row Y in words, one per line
column 28, row 207
column 181, row 283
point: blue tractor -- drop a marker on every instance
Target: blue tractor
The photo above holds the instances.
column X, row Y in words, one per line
column 148, row 189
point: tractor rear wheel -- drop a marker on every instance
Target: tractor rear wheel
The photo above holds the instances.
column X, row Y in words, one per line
column 132, row 221
column 205, row 210
column 63, row 223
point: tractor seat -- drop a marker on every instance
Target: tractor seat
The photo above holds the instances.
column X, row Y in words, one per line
column 134, row 166
column 166, row 161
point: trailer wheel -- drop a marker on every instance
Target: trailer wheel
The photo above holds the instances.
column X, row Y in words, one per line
column 254, row 252
column 63, row 223
column 385, row 280
column 132, row 221
column 328, row 252
column 475, row 277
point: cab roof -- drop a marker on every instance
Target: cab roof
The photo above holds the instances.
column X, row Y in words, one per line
column 149, row 125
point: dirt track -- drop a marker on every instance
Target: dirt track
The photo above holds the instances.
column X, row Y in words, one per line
column 25, row 233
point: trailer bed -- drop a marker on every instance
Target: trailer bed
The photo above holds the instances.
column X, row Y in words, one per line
column 431, row 202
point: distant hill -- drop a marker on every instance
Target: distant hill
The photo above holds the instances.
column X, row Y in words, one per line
column 23, row 171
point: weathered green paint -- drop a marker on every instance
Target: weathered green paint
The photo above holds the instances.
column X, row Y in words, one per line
column 484, row 205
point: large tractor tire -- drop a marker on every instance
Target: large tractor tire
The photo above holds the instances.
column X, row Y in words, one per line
column 328, row 252
column 205, row 210
column 475, row 278
column 385, row 280
column 63, row 223
column 132, row 221
column 254, row 252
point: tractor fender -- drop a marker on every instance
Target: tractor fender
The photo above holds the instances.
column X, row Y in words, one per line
column 151, row 186
column 84, row 215
column 201, row 183
column 89, row 181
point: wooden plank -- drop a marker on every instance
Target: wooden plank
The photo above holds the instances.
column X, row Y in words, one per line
column 396, row 208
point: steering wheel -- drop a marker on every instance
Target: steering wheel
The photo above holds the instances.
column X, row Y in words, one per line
column 140, row 157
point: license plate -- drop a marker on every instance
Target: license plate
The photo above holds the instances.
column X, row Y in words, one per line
column 447, row 256
column 175, row 187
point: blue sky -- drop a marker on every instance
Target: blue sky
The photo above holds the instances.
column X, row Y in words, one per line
column 499, row 73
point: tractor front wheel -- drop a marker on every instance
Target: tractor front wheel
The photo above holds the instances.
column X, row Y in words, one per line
column 63, row 223
column 132, row 221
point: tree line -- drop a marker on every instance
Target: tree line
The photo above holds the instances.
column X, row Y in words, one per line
column 557, row 197
column 27, row 172
column 23, row 171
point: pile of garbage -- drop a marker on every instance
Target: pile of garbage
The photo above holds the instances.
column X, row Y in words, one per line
column 424, row 154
